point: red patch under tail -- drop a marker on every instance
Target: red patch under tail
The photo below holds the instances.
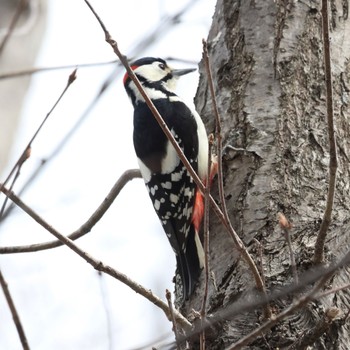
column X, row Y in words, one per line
column 198, row 208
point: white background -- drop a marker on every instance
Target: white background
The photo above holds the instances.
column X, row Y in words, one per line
column 60, row 298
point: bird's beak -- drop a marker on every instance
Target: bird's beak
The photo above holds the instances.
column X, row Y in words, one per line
column 179, row 72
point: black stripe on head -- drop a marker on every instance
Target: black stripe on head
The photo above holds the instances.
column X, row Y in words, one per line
column 147, row 60
column 158, row 85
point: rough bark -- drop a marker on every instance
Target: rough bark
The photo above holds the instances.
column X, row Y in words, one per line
column 268, row 68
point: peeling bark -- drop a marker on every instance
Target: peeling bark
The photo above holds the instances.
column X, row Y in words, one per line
column 267, row 65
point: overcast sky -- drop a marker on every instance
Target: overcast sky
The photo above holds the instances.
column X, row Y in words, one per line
column 60, row 298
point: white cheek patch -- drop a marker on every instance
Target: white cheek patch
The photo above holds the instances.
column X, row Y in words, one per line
column 152, row 73
column 171, row 85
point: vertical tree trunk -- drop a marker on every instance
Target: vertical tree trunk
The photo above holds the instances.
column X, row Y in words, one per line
column 268, row 67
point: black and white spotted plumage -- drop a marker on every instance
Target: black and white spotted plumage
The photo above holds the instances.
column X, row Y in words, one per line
column 170, row 186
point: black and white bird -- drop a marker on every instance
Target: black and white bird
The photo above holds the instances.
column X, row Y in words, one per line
column 175, row 197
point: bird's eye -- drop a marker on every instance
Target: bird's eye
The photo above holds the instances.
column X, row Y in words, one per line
column 162, row 66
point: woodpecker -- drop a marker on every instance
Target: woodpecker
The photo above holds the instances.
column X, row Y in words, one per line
column 175, row 196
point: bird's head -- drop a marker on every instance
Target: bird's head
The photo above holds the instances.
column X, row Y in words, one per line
column 156, row 77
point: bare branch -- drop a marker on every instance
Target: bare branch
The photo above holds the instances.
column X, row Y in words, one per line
column 260, row 255
column 171, row 309
column 286, row 228
column 23, row 158
column 333, row 163
column 31, row 71
column 333, row 290
column 14, row 313
column 127, row 176
column 99, row 265
column 206, row 242
column 35, row 70
column 206, row 233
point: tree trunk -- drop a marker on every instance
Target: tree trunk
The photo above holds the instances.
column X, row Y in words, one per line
column 268, row 71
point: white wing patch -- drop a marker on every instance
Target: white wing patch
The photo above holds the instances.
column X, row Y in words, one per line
column 202, row 147
column 171, row 160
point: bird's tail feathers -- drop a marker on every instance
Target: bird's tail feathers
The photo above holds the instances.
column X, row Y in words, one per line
column 190, row 262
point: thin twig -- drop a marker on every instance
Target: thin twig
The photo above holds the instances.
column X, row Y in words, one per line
column 206, row 242
column 206, row 233
column 286, row 228
column 260, row 255
column 99, row 265
column 14, row 313
column 332, row 291
column 171, row 309
column 127, row 176
column 24, row 157
column 35, row 70
column 71, row 79
column 20, row 7
column 333, row 163
column 31, row 71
